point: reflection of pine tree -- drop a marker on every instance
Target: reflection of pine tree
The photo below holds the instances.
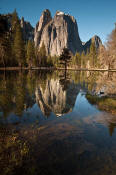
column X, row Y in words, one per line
column 111, row 127
column 20, row 94
column 64, row 83
column 6, row 95
column 31, row 82
column 64, row 79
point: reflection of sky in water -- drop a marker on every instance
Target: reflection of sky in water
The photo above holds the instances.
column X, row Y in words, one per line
column 30, row 115
column 82, row 107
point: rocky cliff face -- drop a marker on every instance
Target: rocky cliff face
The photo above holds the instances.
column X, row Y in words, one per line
column 28, row 30
column 57, row 33
column 44, row 20
column 95, row 39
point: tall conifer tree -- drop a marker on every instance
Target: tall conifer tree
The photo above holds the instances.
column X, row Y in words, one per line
column 42, row 58
column 93, row 55
column 19, row 47
column 31, row 60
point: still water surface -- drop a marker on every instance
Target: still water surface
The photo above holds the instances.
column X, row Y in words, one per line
column 52, row 125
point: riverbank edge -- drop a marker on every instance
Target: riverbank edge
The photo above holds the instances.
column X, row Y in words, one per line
column 52, row 68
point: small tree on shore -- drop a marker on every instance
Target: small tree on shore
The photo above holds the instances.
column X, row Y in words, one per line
column 65, row 57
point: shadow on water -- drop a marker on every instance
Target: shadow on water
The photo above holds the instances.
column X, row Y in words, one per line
column 51, row 124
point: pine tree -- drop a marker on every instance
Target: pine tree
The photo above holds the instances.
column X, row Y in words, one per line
column 15, row 21
column 5, row 46
column 31, row 60
column 19, row 47
column 111, row 49
column 42, row 58
column 102, row 57
column 49, row 61
column 55, row 60
column 83, row 59
column 65, row 57
column 78, row 59
column 93, row 55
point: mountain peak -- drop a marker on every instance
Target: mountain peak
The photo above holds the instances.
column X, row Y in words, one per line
column 46, row 12
column 96, row 40
column 95, row 37
column 57, row 33
column 59, row 13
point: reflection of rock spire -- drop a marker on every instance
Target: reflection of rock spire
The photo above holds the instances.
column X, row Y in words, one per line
column 54, row 99
column 40, row 101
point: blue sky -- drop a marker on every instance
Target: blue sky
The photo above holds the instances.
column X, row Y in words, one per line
column 94, row 17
